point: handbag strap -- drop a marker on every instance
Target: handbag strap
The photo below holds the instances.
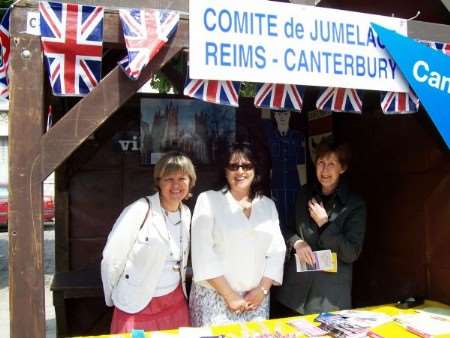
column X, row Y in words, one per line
column 146, row 214
column 137, row 234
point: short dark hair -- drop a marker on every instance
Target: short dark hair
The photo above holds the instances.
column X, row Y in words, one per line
column 329, row 145
column 249, row 152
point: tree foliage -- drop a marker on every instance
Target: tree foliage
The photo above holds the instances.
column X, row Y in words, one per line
column 4, row 4
column 248, row 89
column 162, row 83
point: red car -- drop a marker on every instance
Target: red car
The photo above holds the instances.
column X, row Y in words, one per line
column 48, row 206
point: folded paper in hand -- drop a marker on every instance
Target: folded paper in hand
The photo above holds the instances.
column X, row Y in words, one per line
column 325, row 261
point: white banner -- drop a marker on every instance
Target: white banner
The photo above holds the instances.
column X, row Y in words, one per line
column 273, row 42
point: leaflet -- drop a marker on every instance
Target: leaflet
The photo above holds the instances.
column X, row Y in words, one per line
column 425, row 324
column 307, row 328
column 325, row 261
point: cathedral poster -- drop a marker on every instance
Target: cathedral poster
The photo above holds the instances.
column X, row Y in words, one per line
column 201, row 130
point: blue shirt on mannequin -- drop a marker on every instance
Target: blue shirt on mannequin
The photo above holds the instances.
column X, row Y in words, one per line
column 287, row 152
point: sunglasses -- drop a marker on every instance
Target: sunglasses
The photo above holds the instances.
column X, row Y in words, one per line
column 236, row 166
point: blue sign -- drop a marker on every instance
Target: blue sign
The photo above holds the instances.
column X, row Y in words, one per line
column 428, row 73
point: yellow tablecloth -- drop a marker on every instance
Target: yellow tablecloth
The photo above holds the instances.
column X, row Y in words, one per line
column 389, row 330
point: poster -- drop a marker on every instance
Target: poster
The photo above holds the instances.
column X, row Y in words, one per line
column 201, row 130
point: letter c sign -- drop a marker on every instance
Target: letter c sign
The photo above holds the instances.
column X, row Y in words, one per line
column 33, row 23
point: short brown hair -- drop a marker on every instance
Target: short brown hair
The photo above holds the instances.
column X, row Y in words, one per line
column 173, row 162
column 342, row 150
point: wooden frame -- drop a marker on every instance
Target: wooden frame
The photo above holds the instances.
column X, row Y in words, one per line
column 34, row 155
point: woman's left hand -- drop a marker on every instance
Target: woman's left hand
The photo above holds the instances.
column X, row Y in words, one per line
column 254, row 298
column 317, row 212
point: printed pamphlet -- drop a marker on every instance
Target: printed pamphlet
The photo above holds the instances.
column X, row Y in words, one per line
column 324, row 262
column 307, row 328
column 425, row 324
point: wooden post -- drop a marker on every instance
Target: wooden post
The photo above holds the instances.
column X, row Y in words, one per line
column 26, row 278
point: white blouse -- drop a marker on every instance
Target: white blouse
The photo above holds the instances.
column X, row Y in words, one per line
column 227, row 243
column 170, row 278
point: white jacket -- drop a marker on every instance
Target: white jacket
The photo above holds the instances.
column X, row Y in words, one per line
column 133, row 259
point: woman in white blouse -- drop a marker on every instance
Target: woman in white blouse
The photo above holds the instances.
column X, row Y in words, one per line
column 144, row 260
column 237, row 247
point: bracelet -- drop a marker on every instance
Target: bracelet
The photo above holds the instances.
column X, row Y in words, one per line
column 264, row 290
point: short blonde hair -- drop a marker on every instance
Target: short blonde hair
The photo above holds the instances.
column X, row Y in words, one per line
column 173, row 162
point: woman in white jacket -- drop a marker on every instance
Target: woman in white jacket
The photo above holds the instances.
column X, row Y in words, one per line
column 144, row 261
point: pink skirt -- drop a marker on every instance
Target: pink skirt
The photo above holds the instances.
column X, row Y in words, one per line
column 162, row 313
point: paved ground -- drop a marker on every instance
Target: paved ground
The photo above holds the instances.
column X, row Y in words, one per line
column 49, row 258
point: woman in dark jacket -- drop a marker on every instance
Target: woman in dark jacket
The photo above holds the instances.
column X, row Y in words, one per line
column 328, row 216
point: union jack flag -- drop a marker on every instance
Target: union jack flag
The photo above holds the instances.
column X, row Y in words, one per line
column 279, row 96
column 403, row 103
column 340, row 100
column 145, row 32
column 214, row 91
column 72, row 38
column 4, row 54
column 439, row 46
column 49, row 118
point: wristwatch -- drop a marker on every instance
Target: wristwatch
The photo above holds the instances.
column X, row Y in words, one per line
column 264, row 290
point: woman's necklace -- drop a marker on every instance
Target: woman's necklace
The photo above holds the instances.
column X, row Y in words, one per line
column 245, row 205
column 169, row 222
column 168, row 216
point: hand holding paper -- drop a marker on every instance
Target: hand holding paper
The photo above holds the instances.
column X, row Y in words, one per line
column 304, row 253
column 325, row 260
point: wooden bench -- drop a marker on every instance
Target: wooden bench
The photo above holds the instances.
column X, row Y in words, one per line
column 79, row 284
column 84, row 283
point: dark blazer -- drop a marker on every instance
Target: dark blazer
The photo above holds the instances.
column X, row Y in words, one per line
column 313, row 292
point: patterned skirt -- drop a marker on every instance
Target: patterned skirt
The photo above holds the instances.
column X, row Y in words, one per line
column 207, row 307
column 162, row 313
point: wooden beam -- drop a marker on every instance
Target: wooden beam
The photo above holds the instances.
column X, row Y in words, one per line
column 112, row 31
column 26, row 277
column 428, row 31
column 179, row 5
column 93, row 110
column 446, row 4
column 112, row 35
column 304, row 2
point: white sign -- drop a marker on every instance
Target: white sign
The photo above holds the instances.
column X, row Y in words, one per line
column 273, row 42
column 33, row 23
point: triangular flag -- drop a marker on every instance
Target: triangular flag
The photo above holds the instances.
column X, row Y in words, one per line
column 427, row 72
column 72, row 38
column 4, row 54
column 279, row 96
column 214, row 91
column 340, row 100
column 399, row 103
column 145, row 32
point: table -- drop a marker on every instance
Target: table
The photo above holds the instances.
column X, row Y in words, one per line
column 391, row 330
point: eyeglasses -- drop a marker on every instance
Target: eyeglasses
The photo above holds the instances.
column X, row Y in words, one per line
column 236, row 166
